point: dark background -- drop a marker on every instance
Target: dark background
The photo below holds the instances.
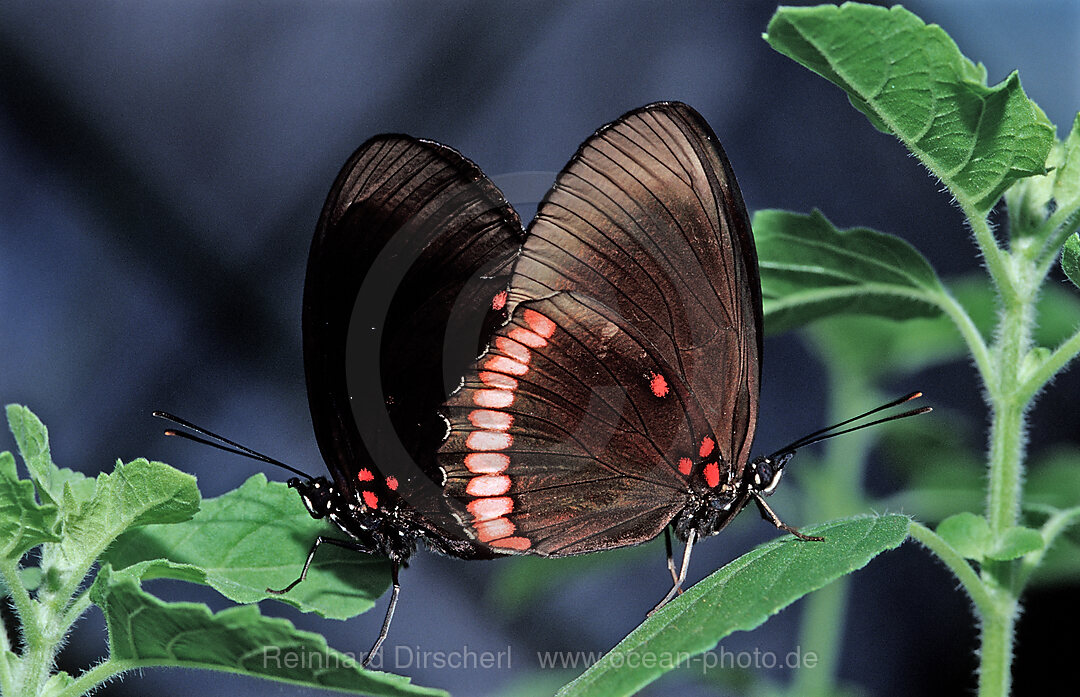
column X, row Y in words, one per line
column 162, row 166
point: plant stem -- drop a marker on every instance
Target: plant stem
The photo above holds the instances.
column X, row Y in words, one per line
column 996, row 259
column 995, row 656
column 90, row 679
column 978, row 592
column 1050, row 367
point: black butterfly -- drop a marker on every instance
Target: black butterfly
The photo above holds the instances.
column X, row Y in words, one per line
column 615, row 395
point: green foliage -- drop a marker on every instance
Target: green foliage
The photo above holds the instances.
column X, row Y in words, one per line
column 809, row 269
column 240, row 543
column 879, row 310
column 911, row 81
column 738, row 597
column 143, row 521
column 1070, row 259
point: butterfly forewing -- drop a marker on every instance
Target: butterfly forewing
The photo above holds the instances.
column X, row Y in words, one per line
column 648, row 219
column 413, row 244
column 571, row 434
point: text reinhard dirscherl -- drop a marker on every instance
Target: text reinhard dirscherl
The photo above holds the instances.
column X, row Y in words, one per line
column 399, row 658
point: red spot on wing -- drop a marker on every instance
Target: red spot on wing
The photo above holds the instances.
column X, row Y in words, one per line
column 370, row 499
column 486, row 463
column 539, row 323
column 658, row 385
column 490, row 508
column 488, row 485
column 365, row 475
column 489, row 440
column 519, row 352
column 502, row 364
column 491, row 420
column 494, row 529
column 498, row 380
column 685, row 465
column 499, row 301
column 391, row 483
column 493, row 399
column 707, row 445
column 712, row 474
column 518, row 543
column 527, row 337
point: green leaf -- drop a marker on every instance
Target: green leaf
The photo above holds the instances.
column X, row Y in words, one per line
column 911, row 80
column 33, row 440
column 740, row 596
column 809, row 269
column 967, row 533
column 1054, row 478
column 137, row 493
column 1016, row 542
column 24, row 523
column 254, row 537
column 1067, row 174
column 145, row 631
column 1070, row 258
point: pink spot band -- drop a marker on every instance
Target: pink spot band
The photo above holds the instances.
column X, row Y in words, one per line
column 488, row 485
column 487, row 463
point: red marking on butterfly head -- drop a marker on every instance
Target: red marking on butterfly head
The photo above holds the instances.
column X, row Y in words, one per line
column 370, row 499
column 365, row 475
column 707, row 445
column 712, row 474
column 499, row 301
column 391, row 483
column 658, row 385
column 685, row 465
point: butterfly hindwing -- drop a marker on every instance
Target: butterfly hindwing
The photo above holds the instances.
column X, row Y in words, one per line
column 572, row 434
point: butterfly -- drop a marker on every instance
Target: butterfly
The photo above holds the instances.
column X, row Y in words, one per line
column 583, row 386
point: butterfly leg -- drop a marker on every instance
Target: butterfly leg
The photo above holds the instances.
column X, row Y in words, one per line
column 394, row 566
column 311, row 555
column 676, row 589
column 770, row 515
column 671, row 559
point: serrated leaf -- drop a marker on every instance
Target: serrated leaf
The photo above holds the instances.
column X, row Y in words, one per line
column 1016, row 542
column 254, row 537
column 911, row 80
column 145, row 631
column 967, row 533
column 1070, row 259
column 134, row 494
column 33, row 440
column 740, row 596
column 24, row 523
column 810, row 269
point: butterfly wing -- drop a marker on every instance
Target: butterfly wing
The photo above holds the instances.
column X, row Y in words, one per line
column 572, row 434
column 413, row 244
column 648, row 219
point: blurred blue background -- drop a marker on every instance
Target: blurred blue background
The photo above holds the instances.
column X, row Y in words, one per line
column 162, row 166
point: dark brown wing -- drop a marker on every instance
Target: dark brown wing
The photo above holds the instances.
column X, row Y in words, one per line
column 648, row 219
column 572, row 435
column 413, row 244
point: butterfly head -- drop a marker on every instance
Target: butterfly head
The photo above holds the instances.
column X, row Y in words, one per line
column 764, row 473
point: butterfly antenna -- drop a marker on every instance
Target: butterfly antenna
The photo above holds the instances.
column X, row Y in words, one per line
column 221, row 442
column 831, row 432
